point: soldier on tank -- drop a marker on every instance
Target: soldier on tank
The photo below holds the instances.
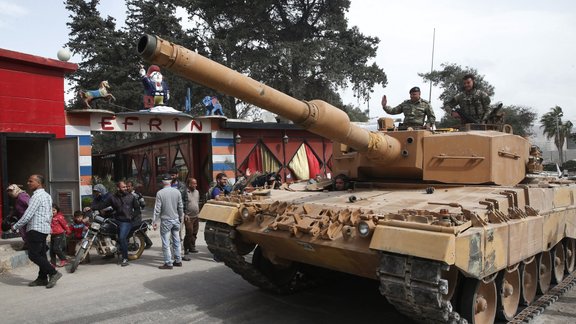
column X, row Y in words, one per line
column 474, row 103
column 415, row 110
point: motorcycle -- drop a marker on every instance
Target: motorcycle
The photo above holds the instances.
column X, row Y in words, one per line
column 103, row 235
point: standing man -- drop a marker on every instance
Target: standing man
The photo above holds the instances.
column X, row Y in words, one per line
column 474, row 104
column 126, row 208
column 415, row 110
column 21, row 199
column 37, row 219
column 178, row 185
column 170, row 209
column 182, row 189
column 191, row 220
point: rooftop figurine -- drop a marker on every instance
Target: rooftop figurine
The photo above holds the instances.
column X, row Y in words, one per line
column 156, row 90
column 101, row 92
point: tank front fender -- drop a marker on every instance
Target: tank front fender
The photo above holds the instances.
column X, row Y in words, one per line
column 221, row 213
column 429, row 245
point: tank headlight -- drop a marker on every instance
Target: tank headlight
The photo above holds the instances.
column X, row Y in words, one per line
column 245, row 213
column 365, row 228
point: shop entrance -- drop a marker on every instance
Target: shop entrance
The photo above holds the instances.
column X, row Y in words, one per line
column 24, row 154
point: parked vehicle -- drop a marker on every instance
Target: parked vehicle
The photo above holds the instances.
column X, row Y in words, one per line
column 103, row 236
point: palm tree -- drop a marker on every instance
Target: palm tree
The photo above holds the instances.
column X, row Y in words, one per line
column 555, row 128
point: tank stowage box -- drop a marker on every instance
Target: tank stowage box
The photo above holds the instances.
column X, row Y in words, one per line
column 452, row 226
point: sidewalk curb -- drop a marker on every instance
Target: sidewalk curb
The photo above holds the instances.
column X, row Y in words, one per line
column 13, row 260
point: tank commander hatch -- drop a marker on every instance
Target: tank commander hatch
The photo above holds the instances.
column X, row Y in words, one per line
column 415, row 110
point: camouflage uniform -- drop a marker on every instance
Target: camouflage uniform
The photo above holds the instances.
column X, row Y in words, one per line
column 474, row 104
column 414, row 112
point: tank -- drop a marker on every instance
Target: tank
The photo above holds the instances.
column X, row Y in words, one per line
column 451, row 226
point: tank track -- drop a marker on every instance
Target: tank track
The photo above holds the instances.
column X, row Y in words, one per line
column 220, row 240
column 415, row 288
column 538, row 307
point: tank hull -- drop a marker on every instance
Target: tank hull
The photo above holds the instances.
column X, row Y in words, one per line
column 457, row 236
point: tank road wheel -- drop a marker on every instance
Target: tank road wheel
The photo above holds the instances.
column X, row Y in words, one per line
column 508, row 287
column 559, row 262
column 570, row 253
column 529, row 275
column 544, row 272
column 279, row 275
column 136, row 245
column 478, row 303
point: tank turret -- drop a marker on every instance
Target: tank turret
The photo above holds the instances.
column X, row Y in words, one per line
column 473, row 157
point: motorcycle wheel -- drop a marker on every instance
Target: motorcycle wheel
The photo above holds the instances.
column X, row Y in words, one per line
column 136, row 244
column 80, row 255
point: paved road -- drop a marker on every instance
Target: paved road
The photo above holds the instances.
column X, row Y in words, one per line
column 202, row 291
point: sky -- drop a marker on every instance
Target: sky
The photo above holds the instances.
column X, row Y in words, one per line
column 525, row 49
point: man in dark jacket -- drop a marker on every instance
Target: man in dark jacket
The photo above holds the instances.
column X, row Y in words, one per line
column 126, row 207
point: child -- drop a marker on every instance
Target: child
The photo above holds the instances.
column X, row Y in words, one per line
column 59, row 229
column 78, row 228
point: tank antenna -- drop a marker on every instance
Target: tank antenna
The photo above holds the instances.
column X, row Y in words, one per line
column 432, row 65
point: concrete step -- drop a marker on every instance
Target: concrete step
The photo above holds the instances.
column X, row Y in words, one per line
column 11, row 256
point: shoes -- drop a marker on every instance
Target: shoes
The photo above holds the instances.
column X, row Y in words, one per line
column 193, row 250
column 177, row 264
column 124, row 262
column 53, row 278
column 38, row 282
column 186, row 259
column 53, row 263
column 62, row 263
column 166, row 266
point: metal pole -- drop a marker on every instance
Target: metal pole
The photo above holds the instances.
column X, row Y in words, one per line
column 432, row 64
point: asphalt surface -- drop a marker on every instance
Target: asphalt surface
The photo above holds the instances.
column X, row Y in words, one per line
column 202, row 291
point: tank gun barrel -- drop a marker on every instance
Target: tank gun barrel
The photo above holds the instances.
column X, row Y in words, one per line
column 316, row 116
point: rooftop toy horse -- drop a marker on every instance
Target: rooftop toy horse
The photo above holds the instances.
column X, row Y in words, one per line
column 102, row 92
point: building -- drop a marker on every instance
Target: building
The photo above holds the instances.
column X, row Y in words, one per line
column 212, row 145
column 34, row 137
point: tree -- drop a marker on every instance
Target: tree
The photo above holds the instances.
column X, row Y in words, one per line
column 521, row 119
column 302, row 48
column 105, row 54
column 553, row 127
